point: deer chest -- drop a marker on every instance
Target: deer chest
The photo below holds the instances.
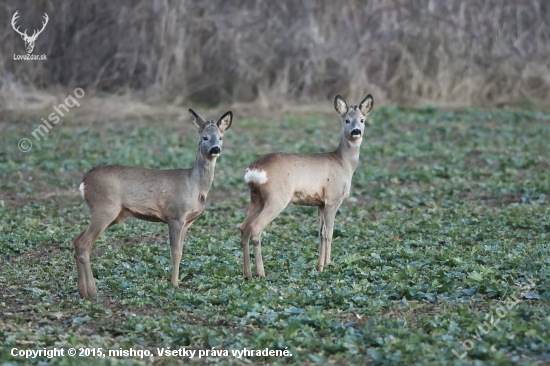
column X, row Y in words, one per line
column 197, row 209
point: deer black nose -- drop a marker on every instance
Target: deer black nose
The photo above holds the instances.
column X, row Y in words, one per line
column 355, row 132
column 215, row 150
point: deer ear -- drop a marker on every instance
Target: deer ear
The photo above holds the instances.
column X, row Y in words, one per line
column 340, row 105
column 197, row 120
column 366, row 105
column 225, row 121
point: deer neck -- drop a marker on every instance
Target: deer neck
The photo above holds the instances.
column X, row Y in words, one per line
column 349, row 153
column 202, row 172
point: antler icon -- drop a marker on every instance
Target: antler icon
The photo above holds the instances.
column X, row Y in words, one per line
column 29, row 41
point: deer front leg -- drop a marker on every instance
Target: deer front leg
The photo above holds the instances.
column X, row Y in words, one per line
column 330, row 214
column 322, row 238
column 175, row 230
column 326, row 219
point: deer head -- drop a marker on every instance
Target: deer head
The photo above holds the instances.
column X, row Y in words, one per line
column 29, row 41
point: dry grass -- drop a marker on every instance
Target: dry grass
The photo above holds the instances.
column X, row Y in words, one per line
column 447, row 52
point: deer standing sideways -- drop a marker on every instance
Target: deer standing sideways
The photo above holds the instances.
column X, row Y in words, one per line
column 176, row 197
column 322, row 180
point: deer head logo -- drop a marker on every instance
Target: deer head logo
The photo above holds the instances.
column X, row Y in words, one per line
column 29, row 40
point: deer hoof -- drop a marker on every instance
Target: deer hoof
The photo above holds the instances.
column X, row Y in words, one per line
column 88, row 293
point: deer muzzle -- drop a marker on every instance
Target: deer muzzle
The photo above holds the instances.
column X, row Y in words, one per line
column 215, row 151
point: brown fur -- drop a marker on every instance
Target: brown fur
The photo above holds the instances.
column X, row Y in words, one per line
column 176, row 197
column 321, row 180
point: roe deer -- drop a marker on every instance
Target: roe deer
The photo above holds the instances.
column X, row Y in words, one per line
column 322, row 180
column 176, row 197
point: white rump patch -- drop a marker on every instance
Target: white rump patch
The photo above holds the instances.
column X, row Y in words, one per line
column 81, row 189
column 257, row 176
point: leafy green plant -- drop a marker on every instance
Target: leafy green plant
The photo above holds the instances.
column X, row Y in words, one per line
column 448, row 218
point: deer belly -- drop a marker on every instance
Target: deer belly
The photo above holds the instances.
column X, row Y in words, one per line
column 143, row 214
column 307, row 199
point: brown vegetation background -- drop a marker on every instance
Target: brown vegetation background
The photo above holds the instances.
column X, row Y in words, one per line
column 468, row 52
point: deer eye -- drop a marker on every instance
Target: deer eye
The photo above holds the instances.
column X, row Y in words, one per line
column 205, row 138
column 362, row 120
column 220, row 138
column 347, row 120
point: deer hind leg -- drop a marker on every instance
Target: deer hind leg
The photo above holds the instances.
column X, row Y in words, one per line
column 270, row 210
column 256, row 207
column 77, row 238
column 100, row 221
column 177, row 233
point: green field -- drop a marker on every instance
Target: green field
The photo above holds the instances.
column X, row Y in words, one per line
column 448, row 219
